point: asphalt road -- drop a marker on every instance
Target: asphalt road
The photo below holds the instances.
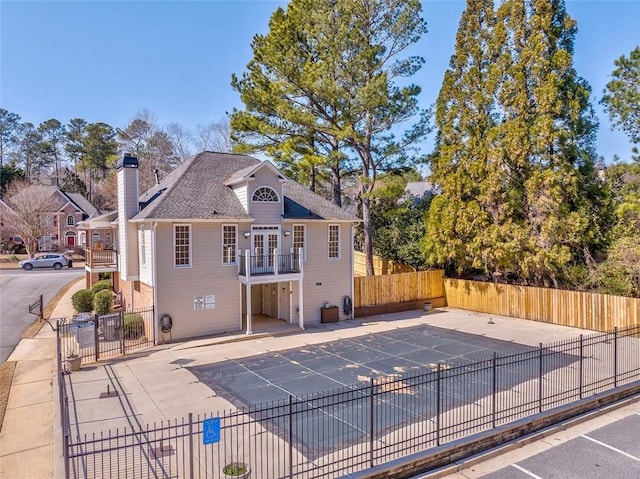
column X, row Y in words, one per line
column 613, row 451
column 20, row 288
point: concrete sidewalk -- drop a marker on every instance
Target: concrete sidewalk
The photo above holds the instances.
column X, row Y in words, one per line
column 28, row 447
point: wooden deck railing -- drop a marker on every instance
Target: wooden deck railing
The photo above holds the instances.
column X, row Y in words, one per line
column 107, row 258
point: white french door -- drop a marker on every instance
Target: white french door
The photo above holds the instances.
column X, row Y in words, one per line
column 264, row 240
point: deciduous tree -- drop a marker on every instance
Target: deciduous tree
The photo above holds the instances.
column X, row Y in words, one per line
column 31, row 209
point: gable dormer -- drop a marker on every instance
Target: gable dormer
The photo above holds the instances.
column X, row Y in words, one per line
column 259, row 190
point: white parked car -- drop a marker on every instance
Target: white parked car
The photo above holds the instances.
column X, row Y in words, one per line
column 49, row 260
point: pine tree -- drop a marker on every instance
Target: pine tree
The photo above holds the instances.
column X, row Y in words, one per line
column 515, row 154
column 464, row 220
column 547, row 136
column 322, row 83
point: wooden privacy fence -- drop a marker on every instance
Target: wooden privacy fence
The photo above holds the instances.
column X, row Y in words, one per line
column 398, row 288
column 600, row 312
column 380, row 265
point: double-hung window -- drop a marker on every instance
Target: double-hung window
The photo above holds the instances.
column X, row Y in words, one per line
column 229, row 244
column 334, row 241
column 298, row 240
column 182, row 246
column 70, row 220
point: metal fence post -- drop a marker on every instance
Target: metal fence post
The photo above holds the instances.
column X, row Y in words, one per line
column 290, row 436
column 494, row 391
column 371, row 425
column 580, row 367
column 65, row 444
column 615, row 357
column 540, row 371
column 190, row 445
column 121, row 319
column 438, row 405
column 95, row 336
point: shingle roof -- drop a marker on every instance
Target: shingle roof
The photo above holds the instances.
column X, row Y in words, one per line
column 300, row 202
column 83, row 203
column 196, row 190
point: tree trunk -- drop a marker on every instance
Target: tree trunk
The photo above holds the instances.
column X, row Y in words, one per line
column 366, row 228
column 312, row 186
column 337, row 189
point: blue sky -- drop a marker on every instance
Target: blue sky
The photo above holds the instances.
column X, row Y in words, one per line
column 107, row 60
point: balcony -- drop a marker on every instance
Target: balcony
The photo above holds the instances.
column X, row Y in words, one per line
column 104, row 260
column 267, row 268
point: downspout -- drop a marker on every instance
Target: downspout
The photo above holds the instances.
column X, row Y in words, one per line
column 154, row 275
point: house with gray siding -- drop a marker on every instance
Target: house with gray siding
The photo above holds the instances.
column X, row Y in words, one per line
column 223, row 240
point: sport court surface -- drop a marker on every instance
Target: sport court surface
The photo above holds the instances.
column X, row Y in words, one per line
column 611, row 452
column 345, row 362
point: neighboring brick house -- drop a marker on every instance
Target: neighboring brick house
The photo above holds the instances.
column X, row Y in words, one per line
column 68, row 210
column 62, row 232
column 222, row 239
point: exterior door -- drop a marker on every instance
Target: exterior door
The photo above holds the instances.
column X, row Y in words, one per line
column 264, row 242
column 71, row 239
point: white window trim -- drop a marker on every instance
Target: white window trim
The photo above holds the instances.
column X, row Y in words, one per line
column 73, row 220
column 329, row 242
column 182, row 266
column 235, row 227
column 304, row 239
column 253, row 193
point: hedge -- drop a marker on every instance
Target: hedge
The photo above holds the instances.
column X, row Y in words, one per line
column 101, row 285
column 102, row 301
column 82, row 301
column 133, row 326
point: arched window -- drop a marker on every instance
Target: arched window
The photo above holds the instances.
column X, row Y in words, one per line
column 70, row 220
column 265, row 194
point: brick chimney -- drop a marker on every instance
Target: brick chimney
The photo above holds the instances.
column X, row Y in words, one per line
column 127, row 175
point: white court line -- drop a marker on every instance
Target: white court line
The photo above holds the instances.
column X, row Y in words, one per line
column 612, row 448
column 528, row 473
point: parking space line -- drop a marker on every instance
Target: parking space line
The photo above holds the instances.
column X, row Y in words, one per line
column 528, row 473
column 611, row 447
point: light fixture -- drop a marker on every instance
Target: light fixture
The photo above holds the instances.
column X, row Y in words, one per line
column 287, row 233
column 246, row 234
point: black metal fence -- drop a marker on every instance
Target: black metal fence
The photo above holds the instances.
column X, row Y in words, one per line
column 333, row 433
column 91, row 337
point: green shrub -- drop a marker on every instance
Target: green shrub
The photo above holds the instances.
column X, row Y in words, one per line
column 102, row 301
column 101, row 285
column 82, row 301
column 106, row 275
column 133, row 326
